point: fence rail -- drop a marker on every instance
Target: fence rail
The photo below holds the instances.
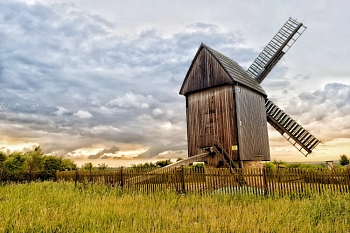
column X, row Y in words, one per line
column 281, row 181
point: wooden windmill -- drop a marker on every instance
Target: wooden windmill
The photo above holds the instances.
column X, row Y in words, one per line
column 227, row 110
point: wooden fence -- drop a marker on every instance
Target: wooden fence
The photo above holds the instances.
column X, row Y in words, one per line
column 281, row 181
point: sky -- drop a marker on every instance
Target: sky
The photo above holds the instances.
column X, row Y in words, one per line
column 100, row 79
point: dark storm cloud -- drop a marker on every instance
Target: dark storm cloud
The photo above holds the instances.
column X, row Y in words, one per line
column 65, row 73
column 103, row 153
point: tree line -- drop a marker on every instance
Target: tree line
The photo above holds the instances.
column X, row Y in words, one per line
column 32, row 165
column 343, row 161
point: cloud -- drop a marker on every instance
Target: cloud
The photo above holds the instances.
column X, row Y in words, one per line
column 324, row 112
column 83, row 114
column 333, row 100
column 105, row 153
column 131, row 100
column 61, row 111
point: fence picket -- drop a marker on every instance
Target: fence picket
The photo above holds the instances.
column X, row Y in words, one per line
column 281, row 181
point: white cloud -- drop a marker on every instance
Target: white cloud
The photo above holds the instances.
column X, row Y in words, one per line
column 158, row 111
column 131, row 100
column 83, row 114
column 61, row 111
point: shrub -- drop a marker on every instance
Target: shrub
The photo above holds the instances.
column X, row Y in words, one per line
column 344, row 160
column 87, row 166
column 144, row 165
column 270, row 165
column 15, row 166
column 163, row 163
column 51, row 165
column 102, row 166
column 35, row 160
column 68, row 164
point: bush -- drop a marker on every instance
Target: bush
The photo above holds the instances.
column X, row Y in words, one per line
column 163, row 163
column 270, row 165
column 344, row 160
column 305, row 165
column 144, row 165
column 68, row 164
column 196, row 165
column 52, row 164
column 87, row 166
column 15, row 166
column 32, row 165
column 35, row 160
column 102, row 166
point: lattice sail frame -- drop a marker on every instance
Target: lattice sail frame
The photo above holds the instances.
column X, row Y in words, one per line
column 275, row 49
column 299, row 137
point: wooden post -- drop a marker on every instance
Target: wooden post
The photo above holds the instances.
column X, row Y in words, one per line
column 183, row 179
column 121, row 177
column 264, row 173
column 76, row 177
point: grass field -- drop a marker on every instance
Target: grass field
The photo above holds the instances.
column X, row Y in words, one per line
column 64, row 207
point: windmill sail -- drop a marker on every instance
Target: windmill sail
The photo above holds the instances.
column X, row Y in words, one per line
column 290, row 129
column 275, row 49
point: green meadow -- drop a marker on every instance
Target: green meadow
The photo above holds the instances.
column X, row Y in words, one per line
column 66, row 207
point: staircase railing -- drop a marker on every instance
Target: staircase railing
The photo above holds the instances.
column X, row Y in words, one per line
column 226, row 156
column 234, row 167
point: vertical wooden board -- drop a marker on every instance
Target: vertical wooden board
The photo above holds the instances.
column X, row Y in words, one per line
column 211, row 113
column 252, row 124
column 205, row 72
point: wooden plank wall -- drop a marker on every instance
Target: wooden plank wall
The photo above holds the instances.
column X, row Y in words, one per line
column 211, row 112
column 252, row 124
column 205, row 72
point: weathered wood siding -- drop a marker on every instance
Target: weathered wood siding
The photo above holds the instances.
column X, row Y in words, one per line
column 252, row 124
column 205, row 72
column 211, row 112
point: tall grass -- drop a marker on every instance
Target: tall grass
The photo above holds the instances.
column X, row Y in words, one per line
column 64, row 207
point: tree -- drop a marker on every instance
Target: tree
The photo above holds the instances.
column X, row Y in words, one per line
column 344, row 160
column 144, row 165
column 87, row 166
column 163, row 163
column 32, row 165
column 102, row 166
column 15, row 166
column 35, row 160
column 68, row 164
column 3, row 157
column 52, row 164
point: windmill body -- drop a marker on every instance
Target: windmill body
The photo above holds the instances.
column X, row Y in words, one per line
column 227, row 110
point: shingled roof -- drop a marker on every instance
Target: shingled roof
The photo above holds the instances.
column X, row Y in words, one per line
column 233, row 69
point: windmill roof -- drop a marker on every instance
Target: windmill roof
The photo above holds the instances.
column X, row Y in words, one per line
column 235, row 71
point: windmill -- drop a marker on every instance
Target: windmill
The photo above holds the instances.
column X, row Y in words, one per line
column 227, row 110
